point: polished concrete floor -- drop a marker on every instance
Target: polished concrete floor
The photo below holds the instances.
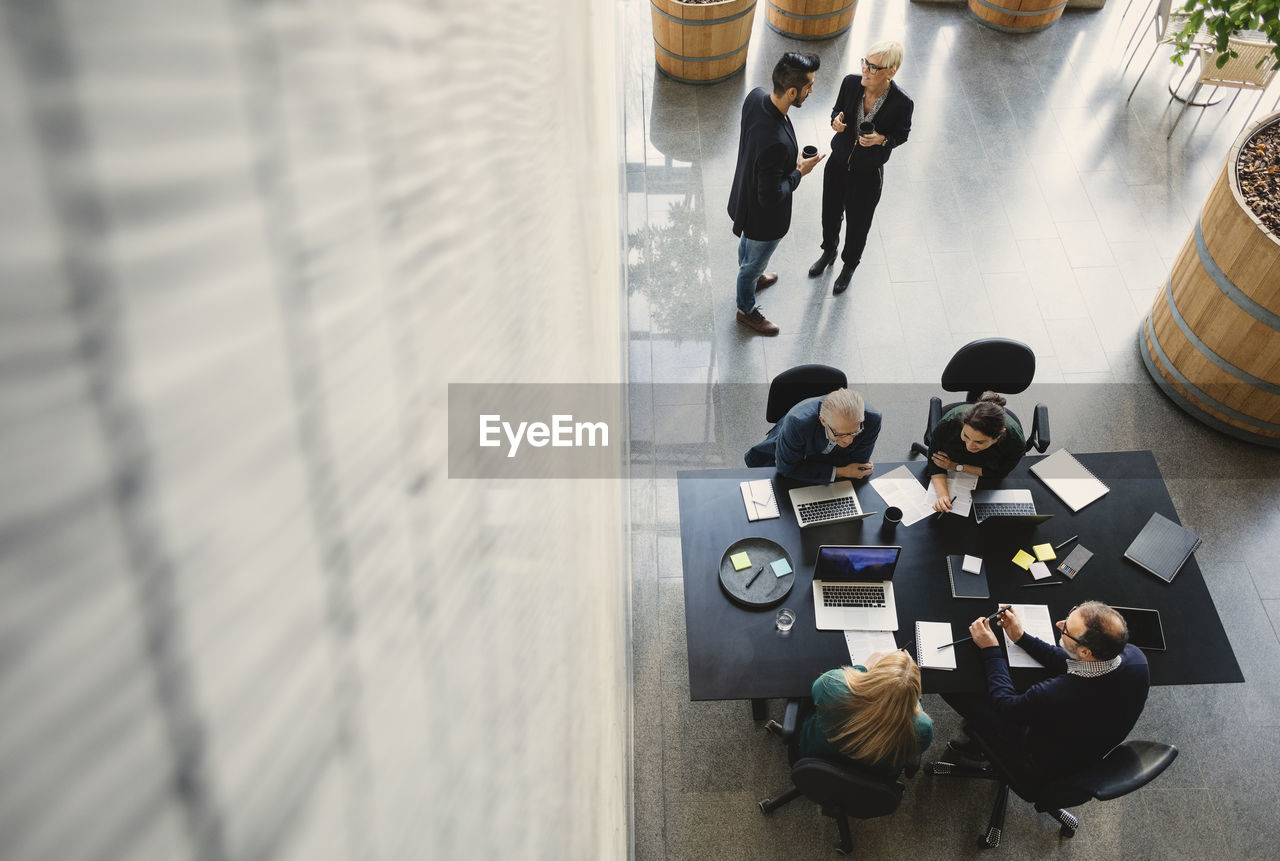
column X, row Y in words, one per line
column 1031, row 202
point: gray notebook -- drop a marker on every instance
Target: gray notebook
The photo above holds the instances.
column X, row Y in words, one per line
column 1162, row 547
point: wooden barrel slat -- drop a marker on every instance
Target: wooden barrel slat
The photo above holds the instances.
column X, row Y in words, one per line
column 1212, row 338
column 701, row 43
column 1017, row 16
column 810, row 19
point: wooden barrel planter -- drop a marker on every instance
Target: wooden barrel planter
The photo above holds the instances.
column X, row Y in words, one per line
column 1017, row 16
column 810, row 19
column 701, row 43
column 1212, row 339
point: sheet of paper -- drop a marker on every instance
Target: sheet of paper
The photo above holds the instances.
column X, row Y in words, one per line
column 972, row 564
column 961, row 486
column 1039, row 570
column 1022, row 559
column 864, row 644
column 740, row 561
column 1044, row 552
column 780, row 568
column 899, row 487
column 1035, row 621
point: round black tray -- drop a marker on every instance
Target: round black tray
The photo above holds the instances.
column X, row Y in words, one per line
column 767, row 590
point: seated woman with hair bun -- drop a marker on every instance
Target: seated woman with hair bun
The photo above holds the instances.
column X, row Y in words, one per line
column 868, row 714
column 980, row 439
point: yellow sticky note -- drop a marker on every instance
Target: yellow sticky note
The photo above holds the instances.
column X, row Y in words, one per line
column 742, row 560
column 1023, row 559
column 1044, row 552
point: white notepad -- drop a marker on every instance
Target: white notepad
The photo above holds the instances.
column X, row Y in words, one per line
column 1069, row 479
column 1036, row 622
column 929, row 636
column 758, row 497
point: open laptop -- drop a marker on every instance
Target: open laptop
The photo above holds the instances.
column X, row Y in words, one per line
column 1006, row 505
column 826, row 503
column 1145, row 630
column 851, row 588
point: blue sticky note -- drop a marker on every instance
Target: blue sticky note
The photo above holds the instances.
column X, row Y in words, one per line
column 780, row 568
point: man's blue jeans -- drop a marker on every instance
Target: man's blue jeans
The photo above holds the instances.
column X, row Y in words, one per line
column 753, row 257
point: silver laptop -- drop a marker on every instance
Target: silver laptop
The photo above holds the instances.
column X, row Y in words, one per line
column 851, row 588
column 1015, row 504
column 826, row 503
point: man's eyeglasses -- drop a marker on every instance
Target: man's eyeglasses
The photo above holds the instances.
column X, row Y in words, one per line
column 867, row 64
column 839, row 436
column 1063, row 630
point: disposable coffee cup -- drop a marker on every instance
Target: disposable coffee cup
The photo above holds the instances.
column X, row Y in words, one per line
column 867, row 127
column 784, row 621
column 809, row 151
column 892, row 517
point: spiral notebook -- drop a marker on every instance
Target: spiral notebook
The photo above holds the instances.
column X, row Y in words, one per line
column 964, row 584
column 929, row 636
column 1069, row 479
column 758, row 497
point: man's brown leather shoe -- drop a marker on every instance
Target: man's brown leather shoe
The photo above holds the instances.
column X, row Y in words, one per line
column 756, row 320
column 768, row 279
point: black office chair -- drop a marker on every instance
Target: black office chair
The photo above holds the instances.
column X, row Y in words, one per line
column 1127, row 767
column 841, row 789
column 989, row 364
column 795, row 385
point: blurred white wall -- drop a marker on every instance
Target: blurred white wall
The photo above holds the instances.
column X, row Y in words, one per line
column 244, row 612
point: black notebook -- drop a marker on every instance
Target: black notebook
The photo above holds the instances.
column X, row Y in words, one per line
column 1162, row 547
column 964, row 584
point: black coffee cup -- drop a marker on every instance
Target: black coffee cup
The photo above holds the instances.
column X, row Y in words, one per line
column 892, row 517
column 867, row 127
column 809, row 151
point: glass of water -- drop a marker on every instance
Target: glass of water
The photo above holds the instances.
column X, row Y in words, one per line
column 784, row 620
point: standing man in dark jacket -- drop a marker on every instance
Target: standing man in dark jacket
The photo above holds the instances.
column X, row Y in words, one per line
column 1063, row 724
column 769, row 169
column 854, row 177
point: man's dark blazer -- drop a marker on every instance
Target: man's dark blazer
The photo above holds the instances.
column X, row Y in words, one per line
column 893, row 121
column 797, row 442
column 760, row 200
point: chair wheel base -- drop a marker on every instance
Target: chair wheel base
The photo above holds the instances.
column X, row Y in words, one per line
column 1069, row 823
column 774, row 728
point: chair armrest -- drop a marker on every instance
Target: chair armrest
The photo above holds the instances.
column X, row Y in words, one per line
column 1039, row 436
column 789, row 718
column 935, row 416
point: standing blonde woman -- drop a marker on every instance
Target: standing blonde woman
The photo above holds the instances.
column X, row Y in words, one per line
column 869, row 714
column 854, row 177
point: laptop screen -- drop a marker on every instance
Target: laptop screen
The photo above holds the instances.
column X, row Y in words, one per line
column 858, row 564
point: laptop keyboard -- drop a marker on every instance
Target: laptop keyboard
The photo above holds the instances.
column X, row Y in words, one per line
column 847, row 595
column 828, row 509
column 1003, row 509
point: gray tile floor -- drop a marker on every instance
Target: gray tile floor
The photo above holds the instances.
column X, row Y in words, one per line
column 1030, row 202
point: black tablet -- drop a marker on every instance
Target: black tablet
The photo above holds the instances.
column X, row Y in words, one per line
column 1145, row 630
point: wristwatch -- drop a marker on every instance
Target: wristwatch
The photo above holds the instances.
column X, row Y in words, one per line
column 959, row 467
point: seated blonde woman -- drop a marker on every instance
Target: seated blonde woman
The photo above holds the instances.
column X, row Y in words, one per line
column 868, row 714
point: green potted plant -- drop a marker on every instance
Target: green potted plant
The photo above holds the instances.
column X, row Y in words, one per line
column 1223, row 19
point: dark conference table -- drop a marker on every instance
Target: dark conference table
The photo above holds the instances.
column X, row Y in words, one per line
column 735, row 653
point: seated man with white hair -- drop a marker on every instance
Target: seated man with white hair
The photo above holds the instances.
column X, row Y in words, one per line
column 821, row 439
